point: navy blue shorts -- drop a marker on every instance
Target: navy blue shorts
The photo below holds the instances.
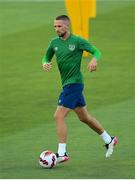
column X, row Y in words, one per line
column 71, row 96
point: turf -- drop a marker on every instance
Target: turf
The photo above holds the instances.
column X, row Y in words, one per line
column 28, row 95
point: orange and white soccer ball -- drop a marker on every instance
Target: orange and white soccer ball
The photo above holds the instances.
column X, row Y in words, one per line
column 47, row 159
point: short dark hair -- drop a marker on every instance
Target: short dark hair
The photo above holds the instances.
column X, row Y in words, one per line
column 63, row 17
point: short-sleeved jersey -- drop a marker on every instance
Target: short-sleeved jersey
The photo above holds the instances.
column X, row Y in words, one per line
column 69, row 56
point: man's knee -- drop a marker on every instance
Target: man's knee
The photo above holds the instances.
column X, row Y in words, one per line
column 83, row 119
column 58, row 116
column 61, row 113
column 86, row 118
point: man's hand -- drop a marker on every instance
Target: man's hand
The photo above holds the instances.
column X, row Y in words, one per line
column 47, row 66
column 92, row 66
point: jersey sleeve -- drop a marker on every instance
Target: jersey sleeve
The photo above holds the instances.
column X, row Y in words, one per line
column 49, row 54
column 86, row 46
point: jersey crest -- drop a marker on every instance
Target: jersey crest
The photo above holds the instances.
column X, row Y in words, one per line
column 71, row 47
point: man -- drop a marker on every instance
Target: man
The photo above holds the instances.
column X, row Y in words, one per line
column 68, row 49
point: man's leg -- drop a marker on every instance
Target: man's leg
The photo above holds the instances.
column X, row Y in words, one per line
column 60, row 114
column 86, row 118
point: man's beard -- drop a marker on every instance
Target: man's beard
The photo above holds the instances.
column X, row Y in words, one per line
column 62, row 34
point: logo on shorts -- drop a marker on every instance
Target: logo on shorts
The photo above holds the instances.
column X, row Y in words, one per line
column 71, row 47
column 59, row 100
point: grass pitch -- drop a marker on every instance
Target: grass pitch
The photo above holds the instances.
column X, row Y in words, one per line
column 28, row 95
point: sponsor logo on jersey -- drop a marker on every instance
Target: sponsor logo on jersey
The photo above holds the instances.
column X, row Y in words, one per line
column 56, row 49
column 71, row 47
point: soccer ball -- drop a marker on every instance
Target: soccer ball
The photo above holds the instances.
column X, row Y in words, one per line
column 47, row 159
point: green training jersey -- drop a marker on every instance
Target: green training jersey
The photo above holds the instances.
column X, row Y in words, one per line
column 69, row 56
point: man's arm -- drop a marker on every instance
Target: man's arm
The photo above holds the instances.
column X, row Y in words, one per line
column 92, row 66
column 47, row 65
column 46, row 60
column 85, row 45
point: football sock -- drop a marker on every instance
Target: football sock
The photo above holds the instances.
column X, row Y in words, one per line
column 61, row 149
column 106, row 137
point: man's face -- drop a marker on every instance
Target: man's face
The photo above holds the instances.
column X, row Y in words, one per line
column 61, row 27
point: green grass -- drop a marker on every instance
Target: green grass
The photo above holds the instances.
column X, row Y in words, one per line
column 28, row 95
